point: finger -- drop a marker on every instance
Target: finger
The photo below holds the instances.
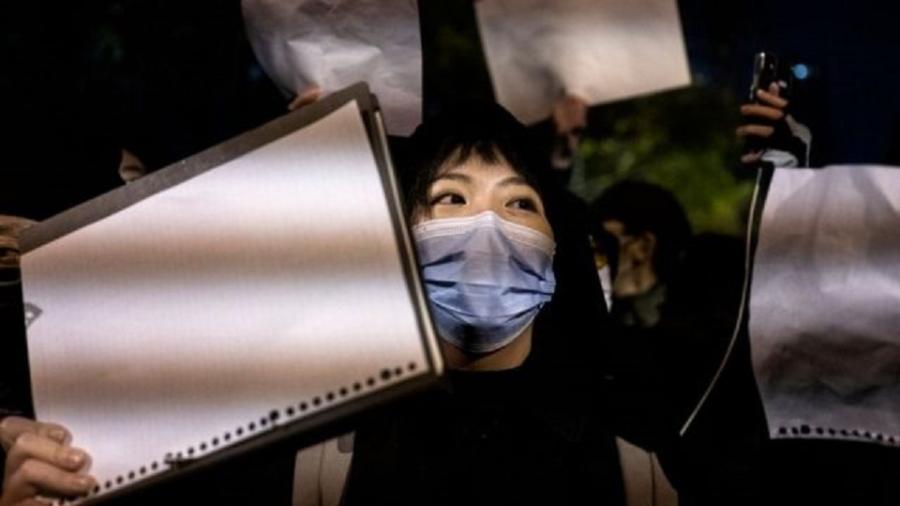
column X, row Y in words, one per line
column 33, row 502
column 570, row 114
column 751, row 157
column 131, row 167
column 754, row 131
column 772, row 98
column 55, row 432
column 306, row 97
column 12, row 427
column 763, row 111
column 295, row 104
column 34, row 477
column 32, row 446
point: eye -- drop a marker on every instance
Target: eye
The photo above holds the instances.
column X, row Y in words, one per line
column 448, row 198
column 524, row 204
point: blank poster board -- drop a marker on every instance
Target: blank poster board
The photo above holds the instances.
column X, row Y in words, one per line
column 824, row 311
column 254, row 292
column 304, row 43
column 599, row 50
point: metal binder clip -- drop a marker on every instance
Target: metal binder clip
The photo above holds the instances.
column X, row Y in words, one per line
column 32, row 312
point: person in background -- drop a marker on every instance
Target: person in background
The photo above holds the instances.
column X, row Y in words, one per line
column 653, row 233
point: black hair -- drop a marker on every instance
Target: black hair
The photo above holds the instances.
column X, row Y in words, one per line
column 567, row 329
column 459, row 132
column 645, row 207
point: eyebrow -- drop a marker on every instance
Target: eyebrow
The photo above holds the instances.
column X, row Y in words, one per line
column 464, row 178
column 454, row 176
column 513, row 180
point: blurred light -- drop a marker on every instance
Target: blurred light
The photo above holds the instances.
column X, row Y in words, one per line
column 801, row 71
column 255, row 73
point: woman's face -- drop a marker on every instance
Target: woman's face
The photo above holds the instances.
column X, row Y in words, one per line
column 475, row 186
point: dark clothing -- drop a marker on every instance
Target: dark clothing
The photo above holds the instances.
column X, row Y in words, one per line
column 830, row 472
column 15, row 395
column 494, row 439
column 642, row 310
column 663, row 369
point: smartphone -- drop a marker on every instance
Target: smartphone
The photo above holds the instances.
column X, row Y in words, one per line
column 767, row 70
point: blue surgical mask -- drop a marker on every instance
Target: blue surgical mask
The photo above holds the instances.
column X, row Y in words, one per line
column 486, row 277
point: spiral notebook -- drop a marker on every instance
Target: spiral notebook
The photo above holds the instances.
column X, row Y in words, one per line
column 824, row 304
column 247, row 296
column 819, row 305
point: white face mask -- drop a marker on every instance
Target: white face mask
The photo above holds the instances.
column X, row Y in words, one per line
column 605, row 275
column 486, row 277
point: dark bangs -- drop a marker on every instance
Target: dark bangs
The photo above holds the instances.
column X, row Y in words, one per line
column 467, row 129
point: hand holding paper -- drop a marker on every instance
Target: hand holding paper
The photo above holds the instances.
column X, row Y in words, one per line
column 330, row 45
column 41, row 460
column 263, row 284
column 540, row 50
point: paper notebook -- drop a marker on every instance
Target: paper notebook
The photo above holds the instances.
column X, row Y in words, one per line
column 819, row 304
column 824, row 304
column 245, row 296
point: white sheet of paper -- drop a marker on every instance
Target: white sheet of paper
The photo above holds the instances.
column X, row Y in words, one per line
column 825, row 304
column 335, row 43
column 263, row 283
column 601, row 51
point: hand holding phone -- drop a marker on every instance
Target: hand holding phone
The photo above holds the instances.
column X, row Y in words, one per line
column 768, row 101
column 768, row 70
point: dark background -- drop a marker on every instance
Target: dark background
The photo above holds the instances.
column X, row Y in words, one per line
column 165, row 78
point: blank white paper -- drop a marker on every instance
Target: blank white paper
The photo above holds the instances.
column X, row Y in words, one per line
column 825, row 304
column 601, row 51
column 335, row 43
column 268, row 281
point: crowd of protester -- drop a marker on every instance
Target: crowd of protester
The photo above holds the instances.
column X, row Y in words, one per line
column 631, row 366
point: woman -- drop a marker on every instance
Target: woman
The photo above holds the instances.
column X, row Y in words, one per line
column 512, row 290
